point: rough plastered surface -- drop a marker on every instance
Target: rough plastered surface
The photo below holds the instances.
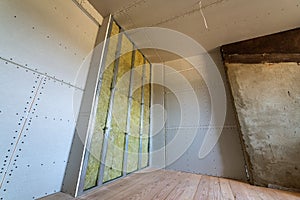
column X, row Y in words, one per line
column 267, row 99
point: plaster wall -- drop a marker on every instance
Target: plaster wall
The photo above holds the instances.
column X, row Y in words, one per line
column 267, row 100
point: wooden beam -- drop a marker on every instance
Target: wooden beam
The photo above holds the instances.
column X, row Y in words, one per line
column 262, row 58
column 279, row 47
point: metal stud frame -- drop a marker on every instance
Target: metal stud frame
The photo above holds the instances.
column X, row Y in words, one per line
column 108, row 124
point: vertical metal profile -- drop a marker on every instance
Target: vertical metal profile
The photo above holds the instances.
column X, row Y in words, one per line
column 164, row 117
column 93, row 116
column 128, row 115
column 76, row 165
column 107, row 128
column 150, row 115
column 142, row 117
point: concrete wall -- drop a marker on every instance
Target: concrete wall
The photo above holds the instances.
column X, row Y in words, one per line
column 267, row 100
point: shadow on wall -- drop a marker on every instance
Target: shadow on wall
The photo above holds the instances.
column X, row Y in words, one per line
column 226, row 158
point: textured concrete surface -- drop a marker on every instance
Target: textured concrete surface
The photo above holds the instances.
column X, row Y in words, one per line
column 267, row 99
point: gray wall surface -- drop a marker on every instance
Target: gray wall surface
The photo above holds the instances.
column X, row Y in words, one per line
column 226, row 157
column 158, row 138
column 44, row 50
column 267, row 99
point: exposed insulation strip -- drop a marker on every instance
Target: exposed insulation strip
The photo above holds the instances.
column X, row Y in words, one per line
column 147, row 72
column 146, row 123
column 133, row 146
column 115, row 151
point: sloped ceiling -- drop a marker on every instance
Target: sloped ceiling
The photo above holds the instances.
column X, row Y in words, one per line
column 228, row 20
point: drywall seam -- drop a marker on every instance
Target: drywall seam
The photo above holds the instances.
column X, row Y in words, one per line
column 21, row 131
column 187, row 13
column 43, row 74
column 129, row 7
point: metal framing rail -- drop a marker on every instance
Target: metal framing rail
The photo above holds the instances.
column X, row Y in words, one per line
column 150, row 115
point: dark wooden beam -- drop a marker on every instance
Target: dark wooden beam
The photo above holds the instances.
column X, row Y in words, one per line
column 262, row 58
column 279, row 47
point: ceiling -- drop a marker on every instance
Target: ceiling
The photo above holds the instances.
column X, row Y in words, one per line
column 228, row 20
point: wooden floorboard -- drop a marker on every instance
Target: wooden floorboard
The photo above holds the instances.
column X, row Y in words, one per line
column 202, row 189
column 170, row 185
column 185, row 188
column 225, row 189
column 166, row 189
column 124, row 186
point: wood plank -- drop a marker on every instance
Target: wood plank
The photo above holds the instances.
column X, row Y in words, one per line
column 264, row 193
column 286, row 195
column 150, row 190
column 214, row 189
column 123, row 185
column 165, row 184
column 186, row 188
column 240, row 191
column 167, row 189
column 283, row 42
column 275, row 48
column 202, row 192
column 225, row 188
column 136, row 187
column 251, row 191
column 262, row 58
column 142, row 189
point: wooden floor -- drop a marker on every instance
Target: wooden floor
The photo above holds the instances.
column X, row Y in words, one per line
column 168, row 185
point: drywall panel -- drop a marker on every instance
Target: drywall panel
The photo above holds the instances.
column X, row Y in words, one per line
column 221, row 161
column 44, row 59
column 14, row 111
column 158, row 139
column 181, row 101
column 53, row 37
column 38, row 163
column 175, row 115
column 267, row 98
